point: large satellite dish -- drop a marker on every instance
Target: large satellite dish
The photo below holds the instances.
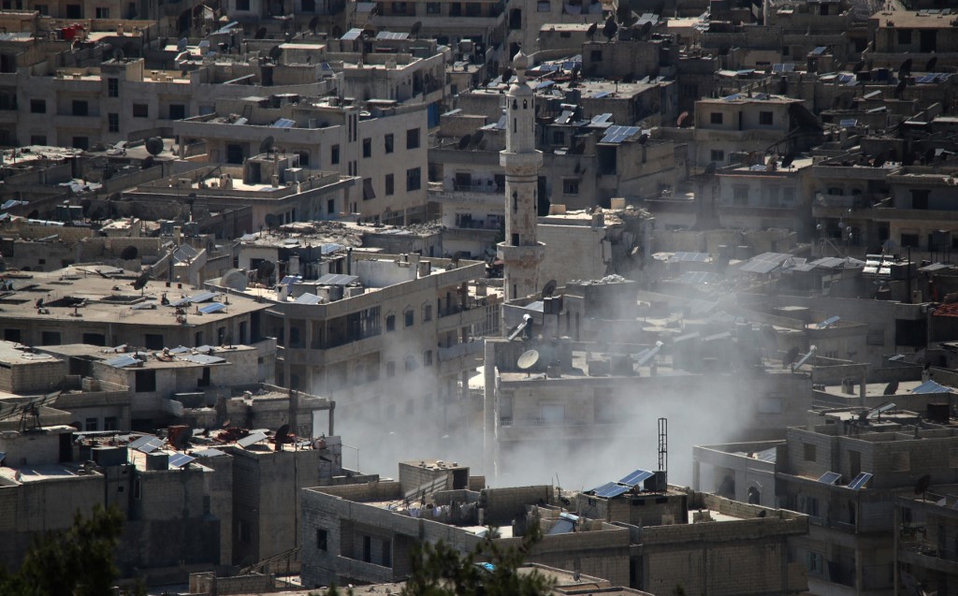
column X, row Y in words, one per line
column 528, row 360
column 550, row 288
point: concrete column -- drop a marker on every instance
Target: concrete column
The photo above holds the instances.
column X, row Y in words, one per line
column 489, row 447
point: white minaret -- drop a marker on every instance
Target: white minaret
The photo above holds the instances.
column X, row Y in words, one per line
column 521, row 253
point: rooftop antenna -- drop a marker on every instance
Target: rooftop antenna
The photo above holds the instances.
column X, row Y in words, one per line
column 664, row 447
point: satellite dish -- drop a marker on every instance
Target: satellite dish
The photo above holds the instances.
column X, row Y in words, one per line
column 681, row 119
column 282, row 436
column 271, row 220
column 266, row 145
column 182, row 438
column 922, row 485
column 275, row 52
column 154, row 145
column 930, row 65
column 260, row 33
column 528, row 360
column 129, row 253
column 790, row 356
column 234, row 279
column 265, row 269
column 140, row 282
column 314, row 23
column 464, row 141
column 891, row 388
column 182, row 44
column 550, row 288
column 788, row 159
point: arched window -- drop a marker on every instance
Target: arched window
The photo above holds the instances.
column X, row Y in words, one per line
column 409, row 316
column 390, row 322
column 411, row 363
column 426, row 312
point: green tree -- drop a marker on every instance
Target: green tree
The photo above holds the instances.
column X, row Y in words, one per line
column 489, row 570
column 77, row 562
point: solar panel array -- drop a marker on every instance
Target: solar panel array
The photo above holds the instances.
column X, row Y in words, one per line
column 617, row 134
column 698, row 277
column 767, row 262
column 859, row 482
column 610, row 490
column 147, row 444
column 308, row 298
column 689, row 257
column 637, row 477
column 932, row 387
column 212, row 308
column 203, row 359
column 283, row 123
column 122, row 361
column 395, row 35
column 254, row 437
column 828, row 322
column 336, row 279
column 178, row 460
column 830, row 478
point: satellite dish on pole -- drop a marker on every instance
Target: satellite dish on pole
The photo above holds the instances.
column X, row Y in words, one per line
column 921, row 487
column 267, row 145
column 550, row 288
column 528, row 360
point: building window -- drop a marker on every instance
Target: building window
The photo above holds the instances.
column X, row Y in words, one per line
column 308, row 6
column 369, row 193
column 413, row 179
column 390, row 322
column 718, row 156
column 409, row 317
column 242, row 531
column 390, row 185
column 433, row 8
column 145, row 381
column 91, row 424
column 43, row 9
column 113, row 122
column 154, row 341
column 141, row 110
column 809, row 451
column 242, row 5
column 426, row 312
column 410, row 363
column 177, row 111
column 111, row 423
column 81, row 107
column 596, row 55
column 740, row 195
column 367, row 148
column 399, row 8
column 390, row 369
column 919, row 198
column 412, row 138
column 322, row 539
column 904, row 36
column 334, row 158
column 74, row 11
column 81, row 143
column 113, row 87
column 94, row 339
column 38, row 106
column 570, row 186
column 388, row 143
column 102, row 12
column 427, row 358
column 766, row 118
column 558, row 137
column 50, row 338
column 715, row 117
column 38, row 139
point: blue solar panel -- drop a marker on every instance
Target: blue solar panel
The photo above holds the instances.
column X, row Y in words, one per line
column 830, row 478
column 617, row 134
column 859, row 482
column 212, row 308
column 637, row 477
column 121, row 361
column 828, row 322
column 284, row 123
column 610, row 490
column 179, row 460
column 931, row 387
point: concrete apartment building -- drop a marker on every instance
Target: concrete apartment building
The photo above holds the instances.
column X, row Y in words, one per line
column 925, row 531
column 766, row 192
column 845, row 469
column 381, row 323
column 651, row 539
column 526, row 20
column 751, row 123
column 384, row 144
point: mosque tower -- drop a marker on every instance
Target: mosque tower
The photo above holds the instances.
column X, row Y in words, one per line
column 520, row 252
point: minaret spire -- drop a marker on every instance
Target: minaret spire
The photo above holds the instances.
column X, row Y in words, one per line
column 520, row 252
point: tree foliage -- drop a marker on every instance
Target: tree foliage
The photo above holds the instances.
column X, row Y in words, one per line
column 77, row 562
column 491, row 569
